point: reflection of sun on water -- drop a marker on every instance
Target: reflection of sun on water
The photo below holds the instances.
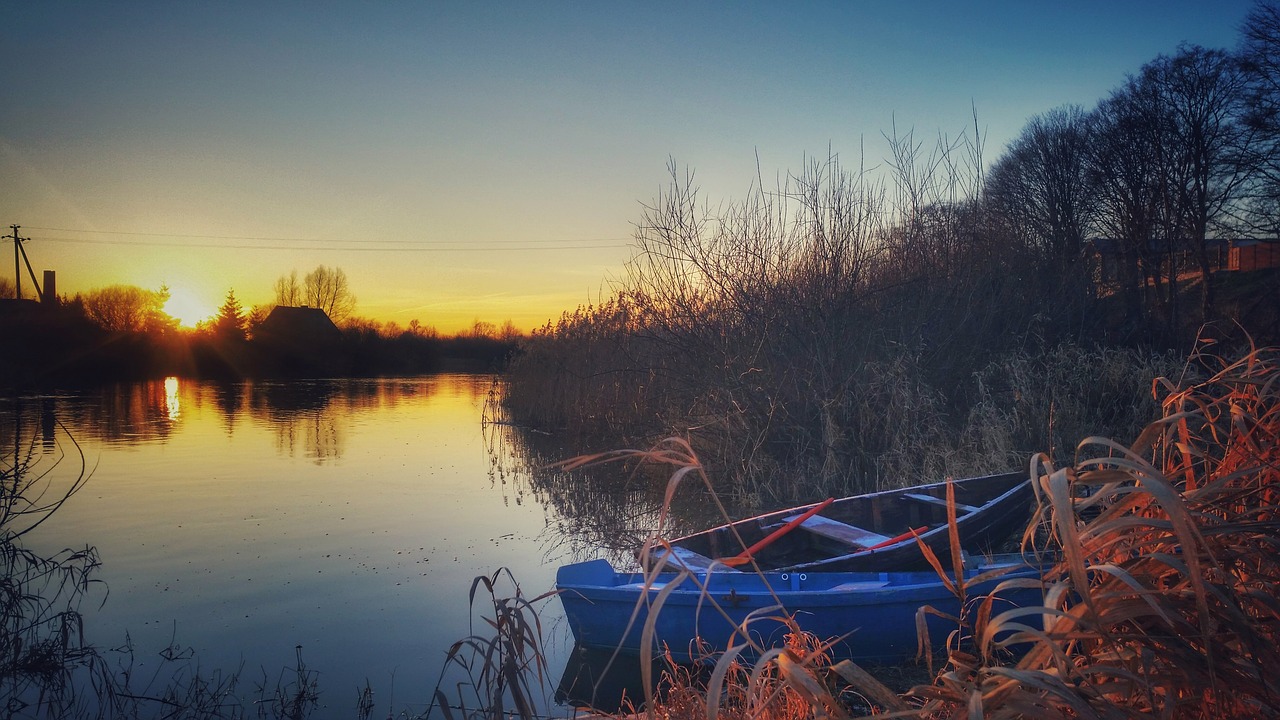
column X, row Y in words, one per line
column 171, row 397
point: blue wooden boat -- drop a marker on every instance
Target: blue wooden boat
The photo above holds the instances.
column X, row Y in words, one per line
column 701, row 614
column 871, row 532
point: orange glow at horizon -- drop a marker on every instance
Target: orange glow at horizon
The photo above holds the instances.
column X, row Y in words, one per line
column 187, row 308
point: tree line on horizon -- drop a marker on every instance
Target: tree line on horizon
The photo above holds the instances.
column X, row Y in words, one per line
column 123, row 332
column 853, row 329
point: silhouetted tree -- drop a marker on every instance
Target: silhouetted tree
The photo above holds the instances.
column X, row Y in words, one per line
column 9, row 290
column 128, row 308
column 1041, row 183
column 1039, row 192
column 1260, row 62
column 230, row 324
column 288, row 291
column 1201, row 93
column 482, row 329
column 254, row 318
column 1125, row 171
column 327, row 289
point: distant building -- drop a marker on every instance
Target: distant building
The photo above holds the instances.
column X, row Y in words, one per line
column 1248, row 255
column 298, row 341
column 299, row 327
column 1106, row 254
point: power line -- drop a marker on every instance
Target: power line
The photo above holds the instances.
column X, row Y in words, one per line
column 306, row 240
column 490, row 246
column 180, row 235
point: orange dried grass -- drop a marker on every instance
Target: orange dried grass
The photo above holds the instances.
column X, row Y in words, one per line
column 1164, row 602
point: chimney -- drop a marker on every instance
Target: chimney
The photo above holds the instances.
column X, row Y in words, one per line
column 50, row 294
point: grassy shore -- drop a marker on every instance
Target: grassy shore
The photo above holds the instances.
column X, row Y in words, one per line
column 1163, row 603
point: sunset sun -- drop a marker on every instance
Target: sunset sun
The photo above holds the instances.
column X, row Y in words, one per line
column 187, row 308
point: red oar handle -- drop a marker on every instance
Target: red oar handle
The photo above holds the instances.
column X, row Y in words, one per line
column 900, row 538
column 768, row 540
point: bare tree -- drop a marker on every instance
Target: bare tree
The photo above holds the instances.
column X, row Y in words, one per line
column 327, row 289
column 1040, row 196
column 1201, row 91
column 1125, row 171
column 1259, row 56
column 8, row 289
column 288, row 291
column 1042, row 184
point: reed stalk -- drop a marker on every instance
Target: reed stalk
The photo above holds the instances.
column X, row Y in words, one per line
column 1162, row 603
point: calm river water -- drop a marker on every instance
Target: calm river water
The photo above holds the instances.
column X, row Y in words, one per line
column 346, row 517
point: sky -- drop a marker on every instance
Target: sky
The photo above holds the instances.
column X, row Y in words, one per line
column 488, row 161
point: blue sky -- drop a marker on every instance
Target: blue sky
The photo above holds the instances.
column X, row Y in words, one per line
column 487, row 161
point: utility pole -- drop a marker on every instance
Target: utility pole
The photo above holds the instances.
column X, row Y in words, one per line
column 20, row 254
column 17, row 268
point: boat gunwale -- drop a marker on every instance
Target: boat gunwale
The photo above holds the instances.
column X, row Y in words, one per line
column 611, row 581
column 963, row 520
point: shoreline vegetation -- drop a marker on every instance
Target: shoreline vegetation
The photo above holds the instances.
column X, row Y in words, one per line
column 839, row 333
column 1162, row 600
column 859, row 325
column 807, row 346
column 63, row 345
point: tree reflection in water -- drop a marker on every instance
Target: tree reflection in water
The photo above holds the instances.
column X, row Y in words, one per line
column 309, row 418
column 601, row 511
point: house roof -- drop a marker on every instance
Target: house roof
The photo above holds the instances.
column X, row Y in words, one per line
column 299, row 323
column 1107, row 246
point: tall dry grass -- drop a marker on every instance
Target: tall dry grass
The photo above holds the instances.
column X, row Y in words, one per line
column 821, row 337
column 1048, row 400
column 1163, row 601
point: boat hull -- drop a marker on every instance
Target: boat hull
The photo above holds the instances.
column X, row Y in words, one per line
column 697, row 616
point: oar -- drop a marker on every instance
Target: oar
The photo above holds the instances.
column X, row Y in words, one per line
column 745, row 556
column 896, row 540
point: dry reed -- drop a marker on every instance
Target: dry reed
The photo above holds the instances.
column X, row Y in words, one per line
column 504, row 669
column 1163, row 602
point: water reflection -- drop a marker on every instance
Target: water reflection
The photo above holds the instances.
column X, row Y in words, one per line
column 604, row 681
column 244, row 519
column 603, row 511
column 308, row 419
column 171, row 398
column 606, row 510
column 303, row 417
column 254, row 516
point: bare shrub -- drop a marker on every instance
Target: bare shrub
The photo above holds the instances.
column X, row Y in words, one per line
column 818, row 338
column 769, row 332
